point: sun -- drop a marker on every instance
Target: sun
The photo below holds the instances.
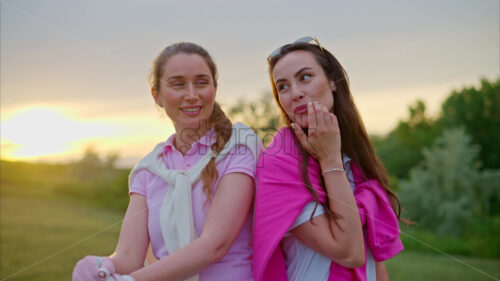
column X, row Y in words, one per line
column 42, row 131
column 61, row 134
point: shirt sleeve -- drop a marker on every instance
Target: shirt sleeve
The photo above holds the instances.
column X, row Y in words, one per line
column 378, row 220
column 240, row 160
column 139, row 182
column 305, row 215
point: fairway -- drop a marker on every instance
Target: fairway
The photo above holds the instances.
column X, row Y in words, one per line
column 412, row 265
column 43, row 236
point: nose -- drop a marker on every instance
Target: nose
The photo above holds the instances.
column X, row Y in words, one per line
column 190, row 93
column 297, row 93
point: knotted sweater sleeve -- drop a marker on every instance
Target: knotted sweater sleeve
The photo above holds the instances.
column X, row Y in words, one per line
column 379, row 220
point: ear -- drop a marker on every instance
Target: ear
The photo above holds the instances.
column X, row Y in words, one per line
column 156, row 97
column 332, row 86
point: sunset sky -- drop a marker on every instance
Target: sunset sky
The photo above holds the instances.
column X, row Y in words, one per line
column 73, row 73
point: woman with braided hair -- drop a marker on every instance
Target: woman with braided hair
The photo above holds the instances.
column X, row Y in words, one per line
column 191, row 197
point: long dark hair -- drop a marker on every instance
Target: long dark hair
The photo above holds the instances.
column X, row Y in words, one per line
column 218, row 119
column 355, row 142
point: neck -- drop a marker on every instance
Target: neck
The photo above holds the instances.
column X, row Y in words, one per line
column 185, row 137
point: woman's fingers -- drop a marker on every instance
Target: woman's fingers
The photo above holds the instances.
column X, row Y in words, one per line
column 326, row 116
column 300, row 135
column 322, row 119
column 322, row 131
column 303, row 139
column 318, row 111
column 334, row 120
column 311, row 116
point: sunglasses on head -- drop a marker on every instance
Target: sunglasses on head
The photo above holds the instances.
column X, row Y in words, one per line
column 305, row 39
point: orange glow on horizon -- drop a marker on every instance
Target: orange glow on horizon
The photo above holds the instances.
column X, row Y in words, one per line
column 54, row 134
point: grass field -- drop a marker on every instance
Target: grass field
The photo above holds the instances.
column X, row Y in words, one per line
column 43, row 233
column 43, row 237
column 413, row 265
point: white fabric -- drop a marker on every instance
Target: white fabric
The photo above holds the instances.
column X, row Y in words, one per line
column 302, row 262
column 371, row 273
column 176, row 213
column 305, row 264
column 306, row 213
column 107, row 276
column 118, row 277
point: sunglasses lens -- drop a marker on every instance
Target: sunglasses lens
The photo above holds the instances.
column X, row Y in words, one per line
column 305, row 39
column 275, row 53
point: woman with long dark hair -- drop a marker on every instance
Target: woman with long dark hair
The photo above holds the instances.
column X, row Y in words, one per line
column 324, row 209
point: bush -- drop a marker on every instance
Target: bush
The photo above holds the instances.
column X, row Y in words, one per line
column 108, row 188
column 447, row 192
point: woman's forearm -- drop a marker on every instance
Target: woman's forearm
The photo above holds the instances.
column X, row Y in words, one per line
column 134, row 239
column 381, row 271
column 225, row 219
column 124, row 264
column 182, row 264
column 346, row 229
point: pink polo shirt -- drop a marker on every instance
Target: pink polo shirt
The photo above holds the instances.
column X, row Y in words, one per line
column 236, row 265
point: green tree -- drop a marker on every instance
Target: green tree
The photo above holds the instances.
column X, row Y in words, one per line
column 478, row 111
column 401, row 149
column 89, row 165
column 262, row 115
column 94, row 167
column 447, row 189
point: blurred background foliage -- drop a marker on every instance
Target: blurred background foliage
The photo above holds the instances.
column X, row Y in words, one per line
column 444, row 168
column 261, row 114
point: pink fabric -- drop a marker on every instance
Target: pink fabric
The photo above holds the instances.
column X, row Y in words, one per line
column 236, row 265
column 281, row 196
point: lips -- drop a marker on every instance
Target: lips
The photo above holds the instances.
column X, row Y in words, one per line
column 301, row 109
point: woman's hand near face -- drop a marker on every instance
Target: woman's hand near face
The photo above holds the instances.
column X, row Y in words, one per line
column 323, row 137
column 340, row 240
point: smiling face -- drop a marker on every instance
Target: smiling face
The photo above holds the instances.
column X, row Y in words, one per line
column 299, row 79
column 187, row 91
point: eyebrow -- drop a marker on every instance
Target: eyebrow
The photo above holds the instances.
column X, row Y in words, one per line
column 174, row 78
column 295, row 75
column 182, row 77
column 202, row 75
